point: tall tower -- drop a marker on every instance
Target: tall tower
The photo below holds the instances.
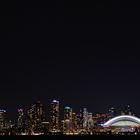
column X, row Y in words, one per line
column 20, row 118
column 2, row 118
column 90, row 122
column 39, row 112
column 36, row 115
column 67, row 119
column 68, row 113
column 74, row 122
column 78, row 122
column 2, row 115
column 83, row 118
column 54, row 116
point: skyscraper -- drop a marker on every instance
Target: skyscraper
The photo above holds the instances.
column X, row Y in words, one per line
column 90, row 122
column 74, row 122
column 78, row 121
column 2, row 115
column 83, row 118
column 20, row 118
column 36, row 115
column 67, row 120
column 54, row 116
column 68, row 113
column 2, row 118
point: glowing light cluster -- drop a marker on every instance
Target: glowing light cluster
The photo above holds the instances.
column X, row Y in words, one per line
column 2, row 110
column 55, row 101
column 121, row 118
column 20, row 110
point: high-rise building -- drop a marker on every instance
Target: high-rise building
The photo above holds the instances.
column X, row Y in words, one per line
column 62, row 126
column 30, row 119
column 90, row 122
column 83, row 118
column 54, row 116
column 67, row 120
column 39, row 112
column 2, row 115
column 36, row 115
column 2, row 118
column 74, row 122
column 68, row 113
column 78, row 121
column 20, row 118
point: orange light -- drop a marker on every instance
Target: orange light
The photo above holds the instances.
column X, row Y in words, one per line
column 106, row 126
column 134, row 126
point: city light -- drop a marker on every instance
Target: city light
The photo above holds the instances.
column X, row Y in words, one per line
column 2, row 110
column 33, row 120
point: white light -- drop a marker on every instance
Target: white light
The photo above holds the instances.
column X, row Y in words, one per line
column 122, row 117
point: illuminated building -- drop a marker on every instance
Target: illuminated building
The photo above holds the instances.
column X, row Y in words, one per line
column 74, row 122
column 45, row 127
column 90, row 122
column 67, row 120
column 62, row 127
column 78, row 122
column 68, row 113
column 2, row 115
column 2, row 119
column 4, row 123
column 54, row 116
column 83, row 118
column 29, row 119
column 20, row 118
column 96, row 119
column 36, row 115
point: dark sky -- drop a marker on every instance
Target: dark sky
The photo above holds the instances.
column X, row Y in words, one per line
column 84, row 54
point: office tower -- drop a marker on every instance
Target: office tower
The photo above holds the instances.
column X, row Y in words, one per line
column 78, row 119
column 74, row 122
column 83, row 118
column 90, row 122
column 68, row 113
column 62, row 127
column 36, row 115
column 39, row 112
column 2, row 119
column 20, row 118
column 2, row 115
column 45, row 127
column 54, row 116
column 67, row 120
column 4, row 123
column 30, row 119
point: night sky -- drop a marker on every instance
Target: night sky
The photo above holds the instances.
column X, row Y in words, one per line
column 85, row 55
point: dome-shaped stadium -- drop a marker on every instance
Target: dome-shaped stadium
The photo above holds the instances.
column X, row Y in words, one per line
column 123, row 121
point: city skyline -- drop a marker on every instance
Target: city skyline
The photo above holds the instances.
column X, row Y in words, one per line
column 85, row 55
column 35, row 121
column 47, row 108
